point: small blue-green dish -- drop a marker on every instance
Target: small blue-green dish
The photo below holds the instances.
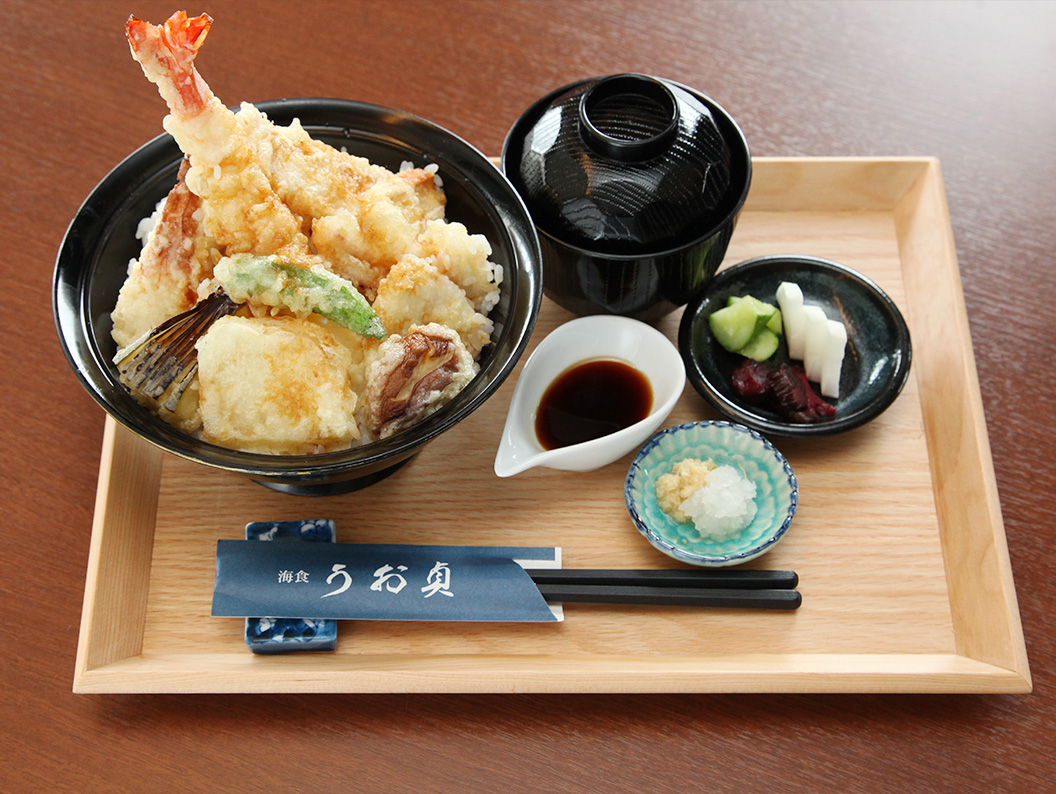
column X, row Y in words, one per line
column 776, row 498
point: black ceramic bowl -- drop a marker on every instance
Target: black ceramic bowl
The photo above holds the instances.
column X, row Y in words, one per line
column 635, row 184
column 93, row 260
column 875, row 365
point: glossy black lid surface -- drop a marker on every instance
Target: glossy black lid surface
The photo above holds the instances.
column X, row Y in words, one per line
column 624, row 164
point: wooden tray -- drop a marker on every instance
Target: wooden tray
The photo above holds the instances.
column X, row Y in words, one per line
column 898, row 541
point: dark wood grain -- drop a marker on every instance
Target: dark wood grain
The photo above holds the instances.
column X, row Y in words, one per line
column 972, row 83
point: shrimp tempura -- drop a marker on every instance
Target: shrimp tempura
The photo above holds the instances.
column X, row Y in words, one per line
column 265, row 188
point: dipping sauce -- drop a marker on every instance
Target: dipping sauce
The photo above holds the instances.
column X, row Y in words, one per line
column 591, row 400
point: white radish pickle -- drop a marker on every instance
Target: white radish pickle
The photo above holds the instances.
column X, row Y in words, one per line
column 835, row 345
column 814, row 333
column 790, row 300
column 813, row 338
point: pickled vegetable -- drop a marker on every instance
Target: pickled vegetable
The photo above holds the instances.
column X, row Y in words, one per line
column 813, row 338
column 747, row 326
column 784, row 389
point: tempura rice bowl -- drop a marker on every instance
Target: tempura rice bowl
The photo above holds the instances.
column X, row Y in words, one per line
column 93, row 260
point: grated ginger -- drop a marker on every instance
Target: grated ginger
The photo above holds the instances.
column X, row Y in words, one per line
column 674, row 488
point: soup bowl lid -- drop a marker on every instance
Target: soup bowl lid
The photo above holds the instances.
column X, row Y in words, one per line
column 625, row 164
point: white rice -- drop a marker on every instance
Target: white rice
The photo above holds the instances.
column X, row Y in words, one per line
column 491, row 299
column 146, row 225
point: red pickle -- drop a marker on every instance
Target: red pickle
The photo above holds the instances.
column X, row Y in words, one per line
column 751, row 381
column 784, row 388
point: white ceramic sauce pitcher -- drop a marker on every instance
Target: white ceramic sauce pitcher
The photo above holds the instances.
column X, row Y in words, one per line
column 577, row 341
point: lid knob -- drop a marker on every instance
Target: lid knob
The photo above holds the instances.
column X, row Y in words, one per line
column 628, row 117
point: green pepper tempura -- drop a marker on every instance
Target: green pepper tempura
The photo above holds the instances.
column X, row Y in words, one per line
column 269, row 280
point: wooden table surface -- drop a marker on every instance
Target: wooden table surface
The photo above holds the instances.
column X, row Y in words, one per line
column 970, row 83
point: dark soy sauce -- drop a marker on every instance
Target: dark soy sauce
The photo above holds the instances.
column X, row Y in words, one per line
column 591, row 400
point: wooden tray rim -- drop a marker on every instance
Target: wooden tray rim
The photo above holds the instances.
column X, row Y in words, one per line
column 990, row 652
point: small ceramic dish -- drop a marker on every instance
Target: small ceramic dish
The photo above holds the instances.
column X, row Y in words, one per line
column 581, row 340
column 724, row 443
column 875, row 365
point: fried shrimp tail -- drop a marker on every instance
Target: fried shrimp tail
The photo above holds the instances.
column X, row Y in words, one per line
column 166, row 53
column 240, row 208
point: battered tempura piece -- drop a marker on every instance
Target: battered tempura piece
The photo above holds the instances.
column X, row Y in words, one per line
column 164, row 280
column 276, row 385
column 303, row 291
column 416, row 374
column 251, row 188
column 415, row 291
column 264, row 187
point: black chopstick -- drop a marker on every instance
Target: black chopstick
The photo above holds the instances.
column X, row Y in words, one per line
column 689, row 578
column 672, row 596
